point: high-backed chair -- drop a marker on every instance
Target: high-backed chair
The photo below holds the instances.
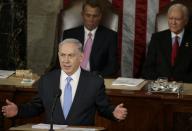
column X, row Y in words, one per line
column 161, row 19
column 70, row 17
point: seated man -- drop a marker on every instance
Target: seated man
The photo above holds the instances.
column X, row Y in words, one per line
column 82, row 93
column 101, row 50
column 170, row 51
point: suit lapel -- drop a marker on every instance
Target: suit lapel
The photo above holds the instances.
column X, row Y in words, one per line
column 182, row 49
column 96, row 43
column 82, row 34
column 56, row 82
column 58, row 110
column 167, row 47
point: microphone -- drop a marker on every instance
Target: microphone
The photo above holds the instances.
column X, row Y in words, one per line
column 53, row 108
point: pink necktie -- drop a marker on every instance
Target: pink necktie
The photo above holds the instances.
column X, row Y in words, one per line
column 175, row 48
column 87, row 51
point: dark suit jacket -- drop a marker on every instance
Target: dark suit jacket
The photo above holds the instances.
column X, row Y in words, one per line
column 103, row 58
column 158, row 60
column 90, row 96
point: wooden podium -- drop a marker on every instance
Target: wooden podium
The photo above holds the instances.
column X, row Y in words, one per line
column 28, row 127
column 146, row 112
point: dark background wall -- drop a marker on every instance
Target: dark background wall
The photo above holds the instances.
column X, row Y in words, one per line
column 13, row 35
column 27, row 33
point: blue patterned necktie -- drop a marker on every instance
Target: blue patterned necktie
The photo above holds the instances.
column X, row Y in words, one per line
column 67, row 97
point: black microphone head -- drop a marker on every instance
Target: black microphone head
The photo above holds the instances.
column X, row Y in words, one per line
column 59, row 93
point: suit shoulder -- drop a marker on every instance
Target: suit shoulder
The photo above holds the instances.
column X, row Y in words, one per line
column 105, row 29
column 92, row 75
column 51, row 74
column 161, row 33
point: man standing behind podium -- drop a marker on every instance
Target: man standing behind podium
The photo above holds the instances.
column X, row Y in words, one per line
column 101, row 55
column 82, row 93
column 170, row 51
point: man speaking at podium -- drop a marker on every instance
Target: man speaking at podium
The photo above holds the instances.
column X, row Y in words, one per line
column 82, row 93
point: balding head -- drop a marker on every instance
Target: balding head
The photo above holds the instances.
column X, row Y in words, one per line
column 72, row 41
column 180, row 7
column 70, row 55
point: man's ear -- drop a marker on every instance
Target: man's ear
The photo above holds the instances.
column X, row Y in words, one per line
column 81, row 57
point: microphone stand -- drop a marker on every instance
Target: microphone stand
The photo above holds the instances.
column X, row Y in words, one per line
column 51, row 124
column 53, row 108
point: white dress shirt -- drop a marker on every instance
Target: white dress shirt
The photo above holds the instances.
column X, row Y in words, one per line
column 74, row 82
column 180, row 37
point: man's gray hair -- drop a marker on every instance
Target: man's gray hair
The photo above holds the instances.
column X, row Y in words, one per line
column 182, row 7
column 72, row 41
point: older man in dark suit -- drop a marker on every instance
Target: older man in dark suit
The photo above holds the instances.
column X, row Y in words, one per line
column 83, row 93
column 170, row 51
column 170, row 55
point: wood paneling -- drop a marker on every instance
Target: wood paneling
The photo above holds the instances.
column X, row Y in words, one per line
column 153, row 112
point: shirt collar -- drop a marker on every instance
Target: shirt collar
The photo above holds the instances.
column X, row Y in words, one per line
column 88, row 31
column 180, row 35
column 74, row 76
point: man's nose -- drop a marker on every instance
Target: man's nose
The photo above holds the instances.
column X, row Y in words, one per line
column 65, row 59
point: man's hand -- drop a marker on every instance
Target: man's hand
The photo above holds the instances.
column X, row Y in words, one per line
column 120, row 112
column 10, row 110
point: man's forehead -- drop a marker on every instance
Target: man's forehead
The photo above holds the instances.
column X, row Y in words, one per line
column 176, row 10
column 90, row 8
column 69, row 47
column 176, row 14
